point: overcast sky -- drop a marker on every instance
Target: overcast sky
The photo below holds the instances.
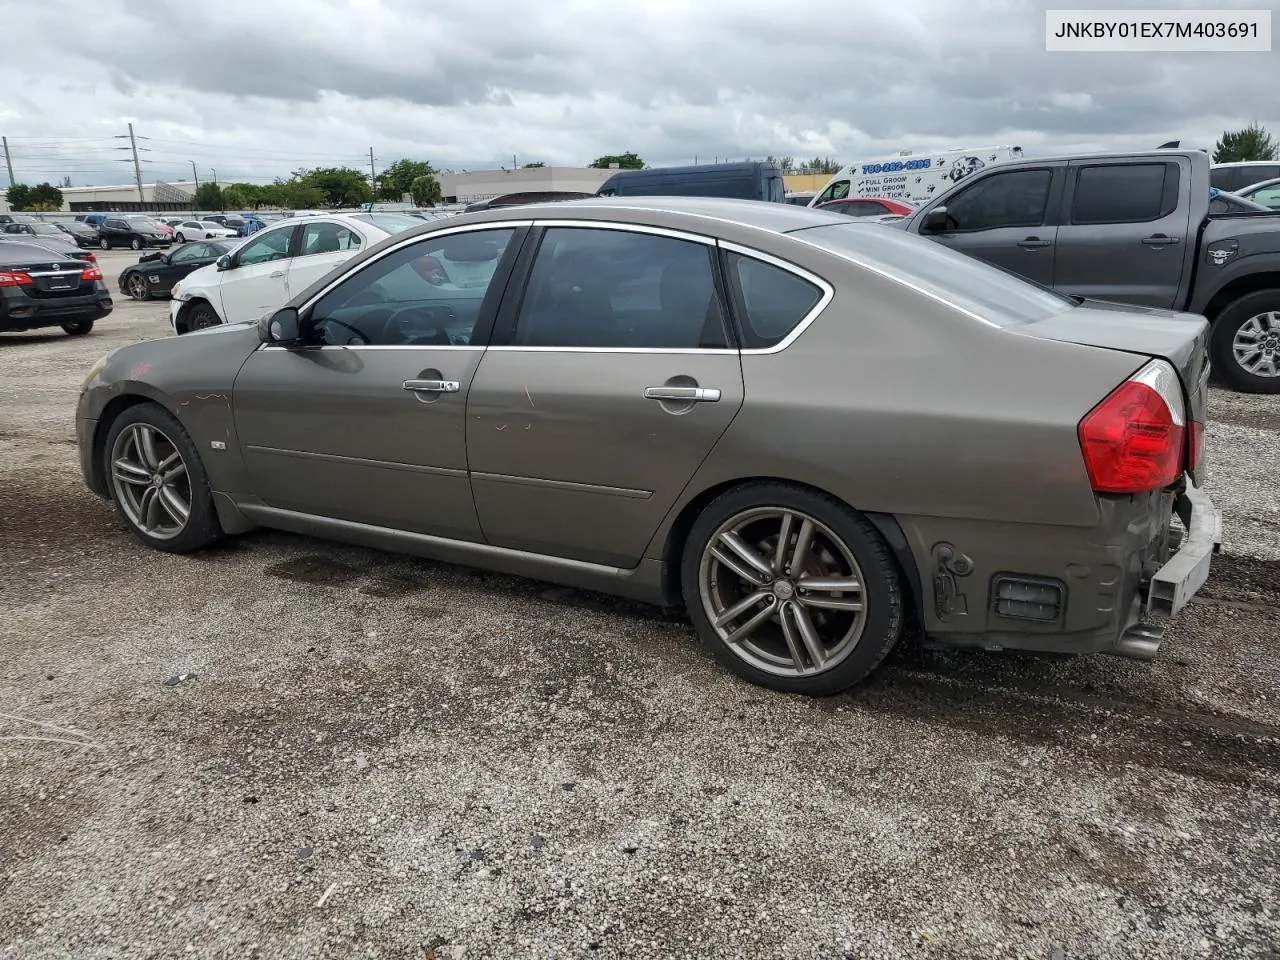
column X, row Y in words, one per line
column 256, row 88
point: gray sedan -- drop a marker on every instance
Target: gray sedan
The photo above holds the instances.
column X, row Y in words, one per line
column 807, row 431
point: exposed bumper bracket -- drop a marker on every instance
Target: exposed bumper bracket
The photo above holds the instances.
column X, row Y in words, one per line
column 1174, row 584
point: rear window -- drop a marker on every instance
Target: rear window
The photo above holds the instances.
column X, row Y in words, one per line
column 995, row 295
column 1125, row 193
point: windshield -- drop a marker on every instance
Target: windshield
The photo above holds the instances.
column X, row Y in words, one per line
column 45, row 228
column 390, row 222
column 995, row 295
column 142, row 223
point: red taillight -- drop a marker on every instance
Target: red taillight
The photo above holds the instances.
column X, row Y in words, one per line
column 90, row 257
column 1134, row 440
column 1195, row 445
column 91, row 273
column 14, row 280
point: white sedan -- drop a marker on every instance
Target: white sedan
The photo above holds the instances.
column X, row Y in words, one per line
column 272, row 265
column 185, row 230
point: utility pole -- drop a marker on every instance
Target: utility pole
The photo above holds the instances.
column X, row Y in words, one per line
column 8, row 160
column 373, row 176
column 137, row 167
column 194, row 175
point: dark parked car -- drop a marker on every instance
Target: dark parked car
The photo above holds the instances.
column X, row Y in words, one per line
column 60, row 245
column 1130, row 228
column 156, row 273
column 81, row 233
column 40, row 289
column 132, row 232
column 765, row 412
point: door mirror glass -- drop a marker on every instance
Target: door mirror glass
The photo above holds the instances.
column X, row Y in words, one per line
column 282, row 327
column 935, row 221
column 224, row 262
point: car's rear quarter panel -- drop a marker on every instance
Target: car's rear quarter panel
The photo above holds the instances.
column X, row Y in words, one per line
column 963, row 433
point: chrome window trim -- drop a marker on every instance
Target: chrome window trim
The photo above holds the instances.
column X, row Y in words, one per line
column 373, row 346
column 409, row 241
column 630, row 228
column 827, row 290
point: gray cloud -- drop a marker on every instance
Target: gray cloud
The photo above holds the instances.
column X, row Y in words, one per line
column 259, row 89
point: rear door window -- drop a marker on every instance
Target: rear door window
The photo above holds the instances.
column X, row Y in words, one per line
column 1125, row 193
column 772, row 301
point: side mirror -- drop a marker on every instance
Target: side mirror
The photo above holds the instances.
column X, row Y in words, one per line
column 935, row 221
column 224, row 262
column 282, row 327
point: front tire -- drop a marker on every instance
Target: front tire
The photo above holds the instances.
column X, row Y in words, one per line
column 158, row 482
column 135, row 244
column 138, row 288
column 791, row 589
column 78, row 328
column 180, row 238
column 104, row 243
column 202, row 316
column 1245, row 343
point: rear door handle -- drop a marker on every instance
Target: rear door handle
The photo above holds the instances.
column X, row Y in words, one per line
column 276, row 274
column 686, row 394
column 1160, row 240
column 1032, row 243
column 431, row 386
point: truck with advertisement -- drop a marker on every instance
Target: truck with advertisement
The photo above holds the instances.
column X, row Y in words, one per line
column 911, row 177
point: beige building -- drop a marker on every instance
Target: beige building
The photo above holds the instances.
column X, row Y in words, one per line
column 470, row 186
column 174, row 195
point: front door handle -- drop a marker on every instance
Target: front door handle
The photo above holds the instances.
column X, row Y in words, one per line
column 431, row 386
column 1033, row 243
column 277, row 274
column 685, row 394
column 1160, row 240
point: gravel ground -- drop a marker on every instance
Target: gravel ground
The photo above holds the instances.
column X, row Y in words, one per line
column 286, row 748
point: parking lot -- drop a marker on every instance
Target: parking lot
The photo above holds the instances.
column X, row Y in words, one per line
column 285, row 747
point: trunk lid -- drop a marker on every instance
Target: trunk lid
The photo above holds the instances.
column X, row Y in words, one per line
column 52, row 277
column 1181, row 339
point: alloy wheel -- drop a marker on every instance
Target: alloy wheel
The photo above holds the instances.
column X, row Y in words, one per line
column 1256, row 345
column 138, row 287
column 150, row 481
column 782, row 591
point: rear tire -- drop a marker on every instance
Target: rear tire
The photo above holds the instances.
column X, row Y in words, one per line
column 814, row 640
column 1244, row 343
column 78, row 328
column 180, row 238
column 135, row 244
column 104, row 243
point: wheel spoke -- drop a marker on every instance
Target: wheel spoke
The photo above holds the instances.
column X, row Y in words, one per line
column 147, row 505
column 750, row 627
column 169, row 477
column 174, row 506
column 792, row 638
column 800, row 554
column 741, row 607
column 784, row 542
column 847, row 604
column 127, row 471
column 147, row 447
column 809, row 634
column 747, row 554
column 727, row 559
column 169, row 461
column 829, row 584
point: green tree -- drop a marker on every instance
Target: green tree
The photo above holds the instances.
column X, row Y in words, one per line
column 243, row 196
column 426, row 191
column 397, row 179
column 339, row 186
column 1251, row 143
column 295, row 195
column 19, row 196
column 625, row 161
column 826, row 165
column 208, row 196
column 45, row 196
column 531, row 166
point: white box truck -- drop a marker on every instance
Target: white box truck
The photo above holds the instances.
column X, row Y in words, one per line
column 911, row 177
